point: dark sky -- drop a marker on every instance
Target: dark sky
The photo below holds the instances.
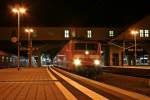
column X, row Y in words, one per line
column 76, row 13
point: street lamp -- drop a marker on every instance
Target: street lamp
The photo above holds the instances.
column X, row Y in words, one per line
column 29, row 31
column 18, row 10
column 134, row 33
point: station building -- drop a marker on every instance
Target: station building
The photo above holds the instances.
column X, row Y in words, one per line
column 130, row 44
column 118, row 44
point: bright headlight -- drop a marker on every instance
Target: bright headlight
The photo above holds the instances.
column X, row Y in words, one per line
column 96, row 62
column 86, row 52
column 77, row 62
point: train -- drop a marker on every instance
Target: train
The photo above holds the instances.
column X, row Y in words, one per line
column 80, row 56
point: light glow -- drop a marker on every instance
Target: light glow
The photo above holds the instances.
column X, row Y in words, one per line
column 77, row 62
column 14, row 10
column 86, row 52
column 21, row 10
column 134, row 32
column 96, row 62
column 29, row 30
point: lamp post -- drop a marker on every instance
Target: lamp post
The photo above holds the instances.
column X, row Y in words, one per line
column 18, row 10
column 29, row 31
column 134, row 33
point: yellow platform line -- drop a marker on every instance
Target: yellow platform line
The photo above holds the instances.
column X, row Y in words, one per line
column 131, row 94
column 93, row 95
column 66, row 93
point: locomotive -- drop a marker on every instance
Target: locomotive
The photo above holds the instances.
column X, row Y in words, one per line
column 79, row 56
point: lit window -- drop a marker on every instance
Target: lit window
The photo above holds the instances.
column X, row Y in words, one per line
column 89, row 34
column 66, row 34
column 11, row 60
column 146, row 33
column 141, row 33
column 7, row 59
column 111, row 33
column 3, row 58
column 73, row 34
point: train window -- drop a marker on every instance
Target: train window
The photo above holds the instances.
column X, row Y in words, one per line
column 80, row 46
column 92, row 46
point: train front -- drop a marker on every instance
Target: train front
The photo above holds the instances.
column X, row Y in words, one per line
column 86, row 55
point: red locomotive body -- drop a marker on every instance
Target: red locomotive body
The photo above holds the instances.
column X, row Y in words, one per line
column 79, row 55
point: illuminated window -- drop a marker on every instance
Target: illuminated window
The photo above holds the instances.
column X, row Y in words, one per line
column 7, row 59
column 73, row 34
column 11, row 59
column 111, row 33
column 146, row 33
column 89, row 34
column 3, row 58
column 66, row 34
column 141, row 33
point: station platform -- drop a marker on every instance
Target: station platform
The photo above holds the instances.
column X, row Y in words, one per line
column 56, row 84
column 28, row 84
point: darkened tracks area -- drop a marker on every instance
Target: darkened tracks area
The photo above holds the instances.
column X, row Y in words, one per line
column 134, row 79
column 136, row 72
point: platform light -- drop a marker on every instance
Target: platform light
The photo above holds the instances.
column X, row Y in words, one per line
column 29, row 31
column 22, row 10
column 18, row 10
column 134, row 32
column 14, row 10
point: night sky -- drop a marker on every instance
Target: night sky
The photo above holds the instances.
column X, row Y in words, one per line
column 75, row 13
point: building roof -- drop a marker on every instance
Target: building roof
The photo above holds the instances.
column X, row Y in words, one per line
column 141, row 24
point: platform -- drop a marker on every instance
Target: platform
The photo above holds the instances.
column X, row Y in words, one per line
column 56, row 84
column 28, row 84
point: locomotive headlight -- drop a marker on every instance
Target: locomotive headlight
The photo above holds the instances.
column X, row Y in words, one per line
column 86, row 52
column 96, row 62
column 77, row 62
